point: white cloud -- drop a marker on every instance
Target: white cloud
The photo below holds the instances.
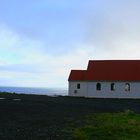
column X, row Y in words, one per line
column 116, row 31
column 23, row 61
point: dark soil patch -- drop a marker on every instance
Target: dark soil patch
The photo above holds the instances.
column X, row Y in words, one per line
column 39, row 117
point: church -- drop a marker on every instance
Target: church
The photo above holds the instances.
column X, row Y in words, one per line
column 106, row 79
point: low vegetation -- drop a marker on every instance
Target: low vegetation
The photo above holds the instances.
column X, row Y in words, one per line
column 39, row 117
column 110, row 126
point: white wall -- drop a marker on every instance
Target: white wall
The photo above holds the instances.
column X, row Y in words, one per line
column 82, row 92
column 88, row 89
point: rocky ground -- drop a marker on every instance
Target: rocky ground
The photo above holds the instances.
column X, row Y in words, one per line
column 40, row 117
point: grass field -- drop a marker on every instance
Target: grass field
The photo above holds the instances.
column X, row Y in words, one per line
column 110, row 126
column 39, row 117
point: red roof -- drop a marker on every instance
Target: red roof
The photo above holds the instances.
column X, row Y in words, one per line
column 77, row 75
column 108, row 70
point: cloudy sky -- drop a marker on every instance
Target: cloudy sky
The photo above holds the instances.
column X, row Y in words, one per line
column 42, row 40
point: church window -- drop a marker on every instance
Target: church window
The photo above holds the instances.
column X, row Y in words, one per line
column 127, row 87
column 98, row 86
column 78, row 86
column 112, row 86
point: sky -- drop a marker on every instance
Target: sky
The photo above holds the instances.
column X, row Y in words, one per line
column 42, row 40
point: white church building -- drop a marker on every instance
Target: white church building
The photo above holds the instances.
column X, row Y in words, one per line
column 106, row 79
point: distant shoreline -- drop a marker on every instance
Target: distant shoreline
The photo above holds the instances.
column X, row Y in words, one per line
column 35, row 90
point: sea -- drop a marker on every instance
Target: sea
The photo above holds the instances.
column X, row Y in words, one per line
column 35, row 90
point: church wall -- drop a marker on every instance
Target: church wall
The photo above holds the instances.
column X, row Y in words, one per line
column 89, row 89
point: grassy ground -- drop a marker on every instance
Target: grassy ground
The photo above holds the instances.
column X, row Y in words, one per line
column 36, row 117
column 110, row 126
